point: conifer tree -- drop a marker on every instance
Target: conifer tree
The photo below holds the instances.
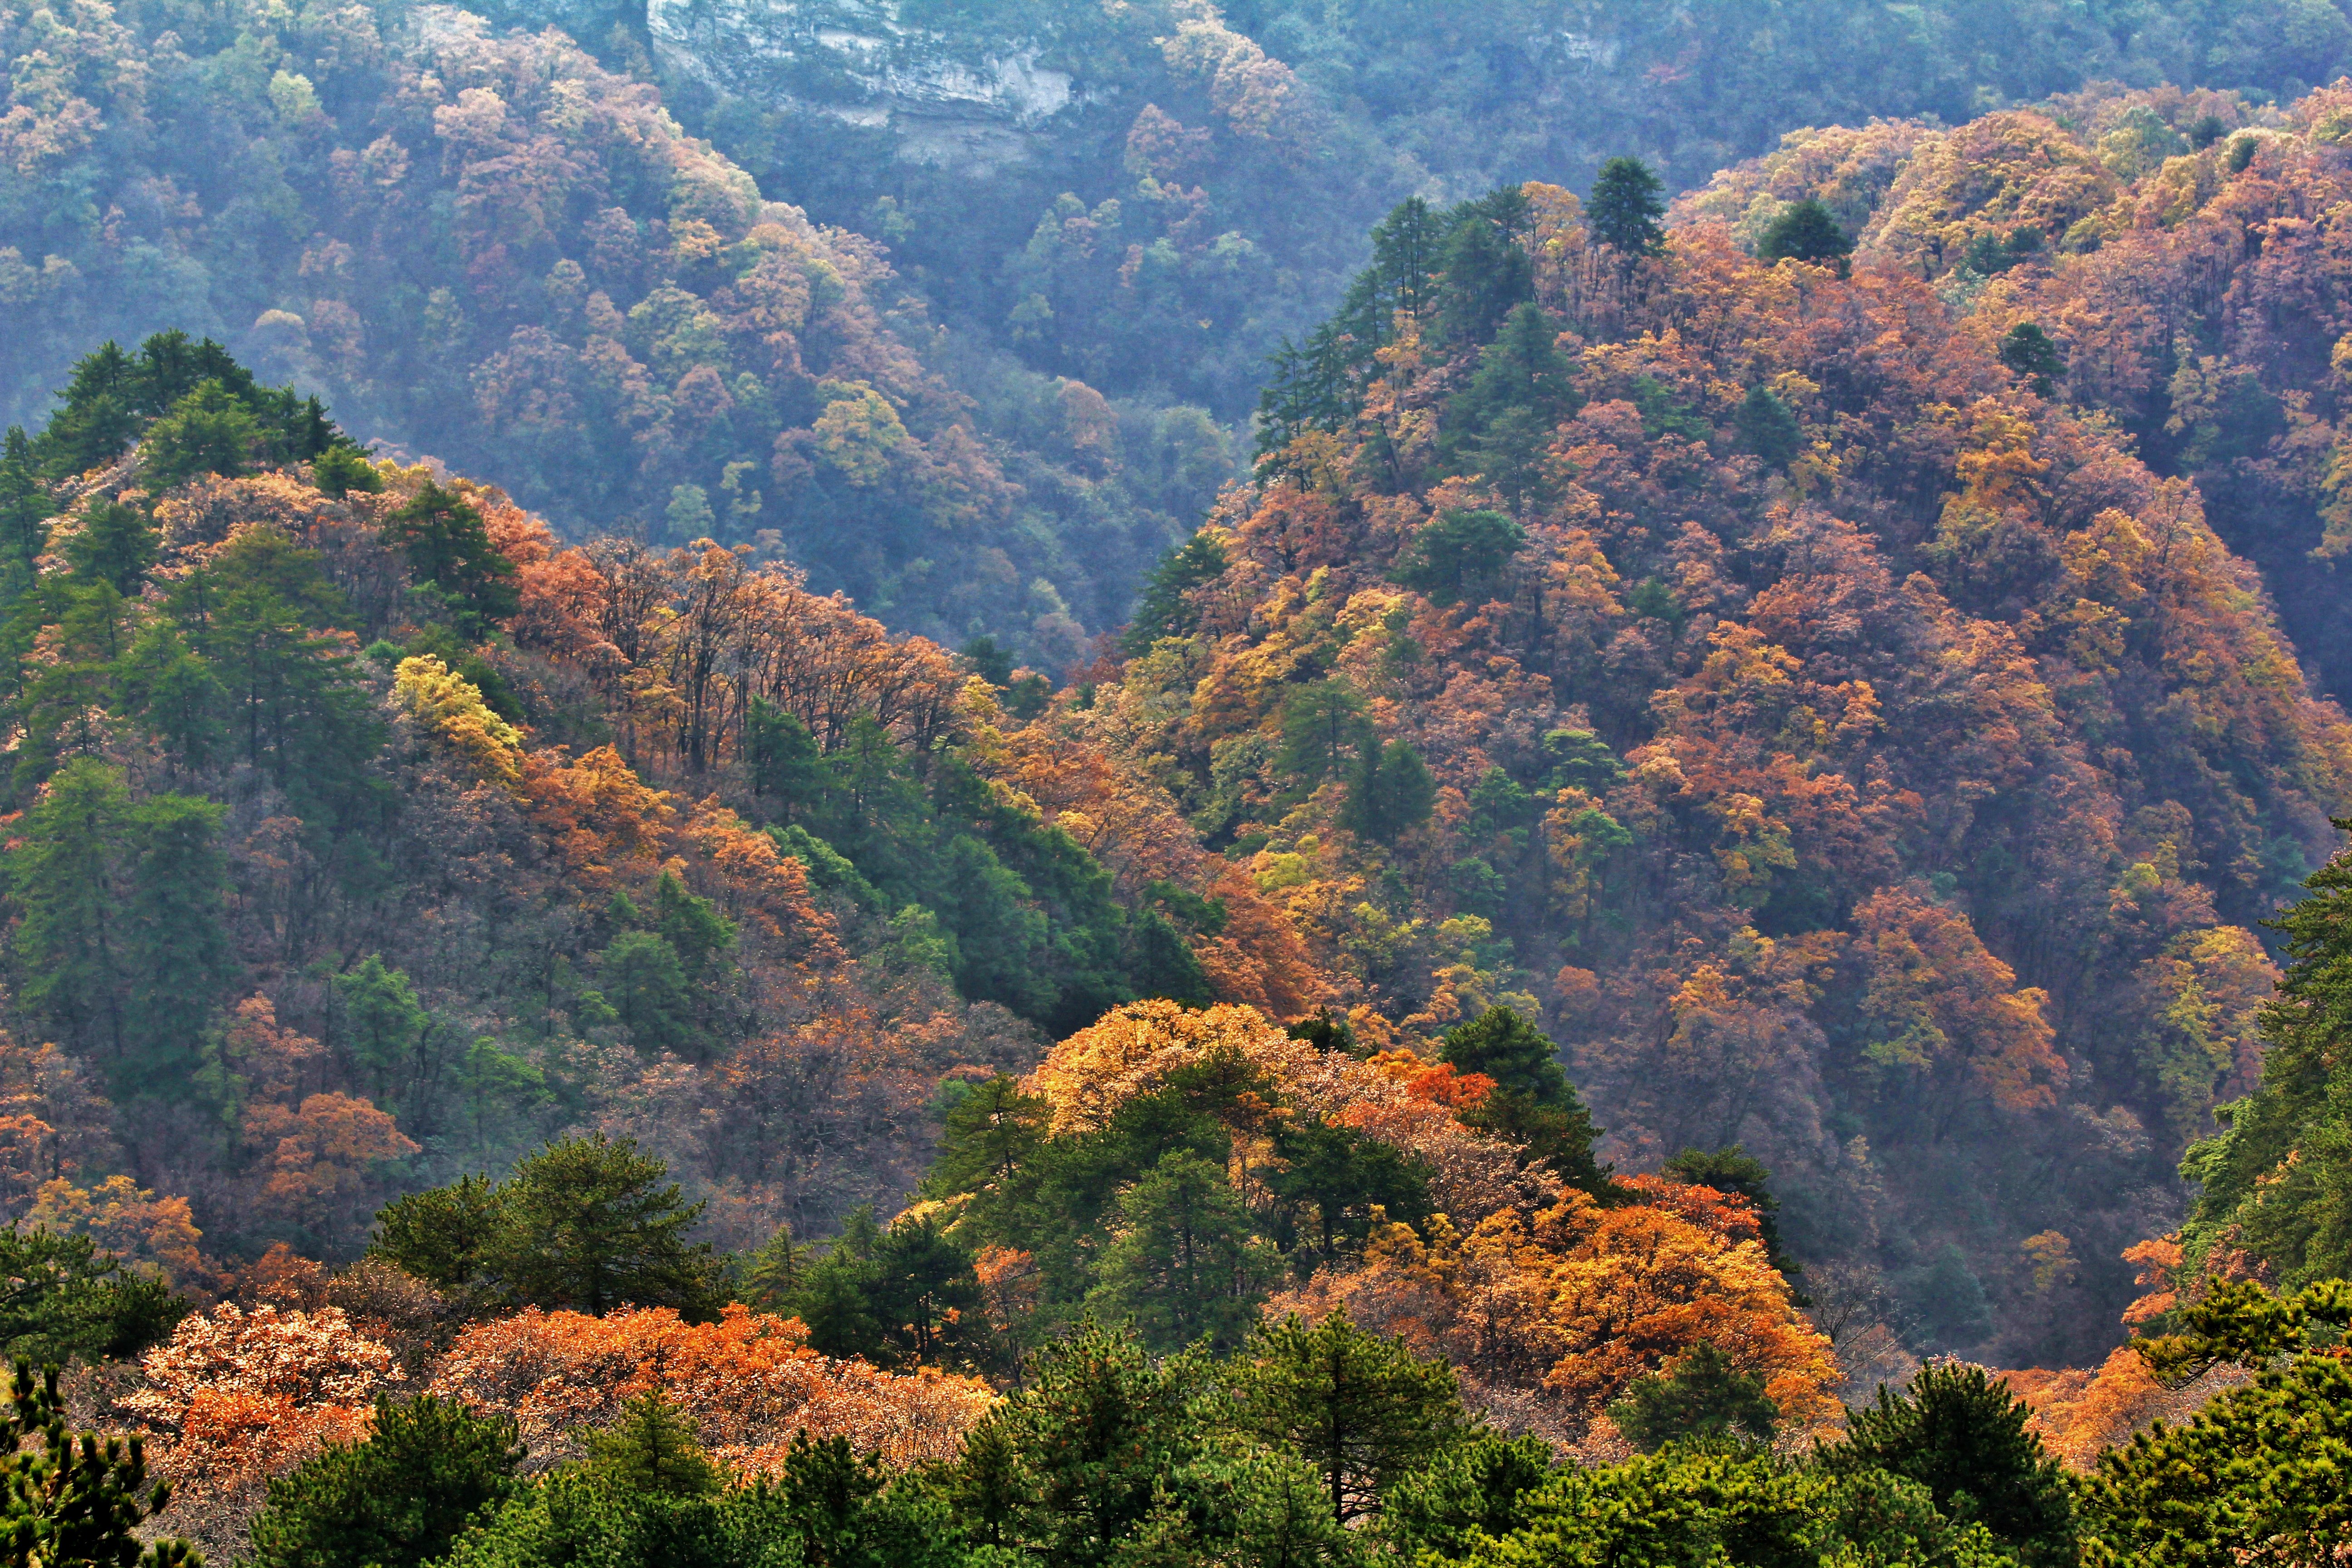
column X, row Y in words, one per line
column 785, row 764
column 396, row 1499
column 988, row 1137
column 1402, row 278
column 591, row 1222
column 1485, row 266
column 176, row 942
column 441, row 1235
column 209, row 431
column 385, row 1022
column 1390, row 792
column 651, row 1451
column 1472, row 1485
column 1533, row 1103
column 1701, row 1396
column 1963, row 1437
column 1344, row 1177
column 1769, row 426
column 2277, row 1180
column 1184, row 1263
column 1359, row 1408
column 1456, row 551
column 1502, row 422
column 1805, row 231
column 1322, row 723
column 1068, row 1467
column 101, row 417
column 1627, row 202
column 1161, row 609
column 115, row 545
column 449, row 547
column 2029, row 353
column 68, row 1500
column 60, row 1299
column 68, row 881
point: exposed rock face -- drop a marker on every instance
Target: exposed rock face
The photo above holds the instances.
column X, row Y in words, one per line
column 958, row 101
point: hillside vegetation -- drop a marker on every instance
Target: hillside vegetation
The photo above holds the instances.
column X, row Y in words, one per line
column 496, row 252
column 1857, row 751
column 1691, row 854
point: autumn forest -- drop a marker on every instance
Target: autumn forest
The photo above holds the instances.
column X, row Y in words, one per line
column 1132, row 785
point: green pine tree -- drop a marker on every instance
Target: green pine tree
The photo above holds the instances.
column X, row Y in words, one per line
column 1805, row 231
column 209, row 431
column 1627, row 202
column 2277, row 1180
column 69, row 1498
column 449, row 547
column 1184, row 1263
column 175, row 938
column 1163, row 609
column 1457, row 551
column 67, row 878
column 651, row 1451
column 1533, row 1104
column 1359, row 1407
column 60, row 1301
column 443, row 1235
column 1389, row 791
column 1701, row 1396
column 1322, row 726
column 399, row 1498
column 1769, row 426
column 2029, row 353
column 384, row 1020
column 1068, row 1467
column 1963, row 1437
column 1475, row 1484
column 115, row 544
column 591, row 1223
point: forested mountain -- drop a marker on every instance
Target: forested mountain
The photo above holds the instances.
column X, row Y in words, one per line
column 497, row 253
column 1148, row 195
column 618, row 948
column 995, row 369
column 1860, row 753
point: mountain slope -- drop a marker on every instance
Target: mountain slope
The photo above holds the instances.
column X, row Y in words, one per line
column 1860, row 754
column 497, row 253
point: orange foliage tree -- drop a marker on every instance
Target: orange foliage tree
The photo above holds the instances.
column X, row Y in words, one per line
column 747, row 1383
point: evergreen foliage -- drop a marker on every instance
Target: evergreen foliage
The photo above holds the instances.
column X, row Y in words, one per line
column 651, row 1452
column 897, row 1296
column 1389, row 791
column 1533, row 1103
column 1457, row 551
column 61, row 1301
column 1806, row 231
column 1182, row 1264
column 2030, row 355
column 1734, row 1170
column 1701, row 1396
column 68, row 1499
column 2257, row 1471
column 1470, row 1488
column 427, row 1470
column 586, row 1223
column 1628, row 201
column 1163, row 608
column 1769, row 426
column 1485, row 271
column 1963, row 1435
column 1362, row 1410
column 450, row 549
